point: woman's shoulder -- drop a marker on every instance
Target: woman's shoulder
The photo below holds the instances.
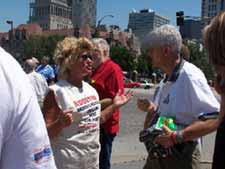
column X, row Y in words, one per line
column 58, row 85
column 89, row 88
column 86, row 85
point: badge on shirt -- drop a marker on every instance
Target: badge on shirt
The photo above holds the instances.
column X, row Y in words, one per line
column 92, row 81
column 167, row 99
column 42, row 155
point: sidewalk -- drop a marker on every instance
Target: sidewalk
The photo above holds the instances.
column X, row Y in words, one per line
column 140, row 164
column 129, row 153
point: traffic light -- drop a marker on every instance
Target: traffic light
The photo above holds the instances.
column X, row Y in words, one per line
column 180, row 18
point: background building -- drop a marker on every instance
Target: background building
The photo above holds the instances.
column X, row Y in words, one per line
column 144, row 21
column 62, row 14
column 211, row 8
column 191, row 29
column 51, row 14
column 84, row 13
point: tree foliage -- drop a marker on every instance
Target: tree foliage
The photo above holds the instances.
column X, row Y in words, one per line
column 40, row 46
column 144, row 65
column 126, row 59
column 198, row 57
column 123, row 57
column 129, row 62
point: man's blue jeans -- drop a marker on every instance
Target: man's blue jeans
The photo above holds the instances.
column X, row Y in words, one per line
column 106, row 149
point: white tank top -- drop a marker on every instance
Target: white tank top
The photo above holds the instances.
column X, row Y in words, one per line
column 77, row 146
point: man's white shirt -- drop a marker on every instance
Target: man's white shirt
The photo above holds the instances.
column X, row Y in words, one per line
column 188, row 96
column 24, row 142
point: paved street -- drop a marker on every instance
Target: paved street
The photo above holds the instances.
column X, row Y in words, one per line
column 128, row 152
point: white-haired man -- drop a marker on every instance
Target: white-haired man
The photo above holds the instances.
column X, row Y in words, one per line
column 107, row 79
column 38, row 81
column 184, row 95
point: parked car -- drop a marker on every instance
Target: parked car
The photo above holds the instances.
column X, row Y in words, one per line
column 131, row 84
column 145, row 84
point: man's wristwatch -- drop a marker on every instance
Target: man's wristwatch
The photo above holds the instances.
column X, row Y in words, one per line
column 179, row 137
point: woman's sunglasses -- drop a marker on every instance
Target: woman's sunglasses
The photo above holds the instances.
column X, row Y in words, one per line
column 86, row 56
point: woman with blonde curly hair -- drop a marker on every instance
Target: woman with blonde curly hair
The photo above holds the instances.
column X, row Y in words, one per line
column 72, row 109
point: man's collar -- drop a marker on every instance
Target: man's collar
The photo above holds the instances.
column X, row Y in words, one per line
column 176, row 72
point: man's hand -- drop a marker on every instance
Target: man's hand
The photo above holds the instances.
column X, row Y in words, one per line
column 165, row 139
column 146, row 105
column 121, row 99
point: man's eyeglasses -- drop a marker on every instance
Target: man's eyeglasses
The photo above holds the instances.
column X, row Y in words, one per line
column 86, row 56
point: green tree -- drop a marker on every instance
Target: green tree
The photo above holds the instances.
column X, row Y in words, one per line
column 40, row 46
column 123, row 57
column 33, row 47
column 198, row 57
column 144, row 65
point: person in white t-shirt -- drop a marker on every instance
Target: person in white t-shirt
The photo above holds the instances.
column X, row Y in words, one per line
column 38, row 82
column 24, row 142
column 72, row 108
column 184, row 96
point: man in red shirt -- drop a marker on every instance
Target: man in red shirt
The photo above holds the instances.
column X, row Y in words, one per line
column 107, row 79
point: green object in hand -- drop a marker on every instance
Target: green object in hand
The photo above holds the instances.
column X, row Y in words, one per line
column 169, row 122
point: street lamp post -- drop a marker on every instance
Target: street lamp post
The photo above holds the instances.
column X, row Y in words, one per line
column 10, row 22
column 101, row 19
column 96, row 33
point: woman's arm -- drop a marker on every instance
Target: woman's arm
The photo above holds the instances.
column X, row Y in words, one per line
column 55, row 118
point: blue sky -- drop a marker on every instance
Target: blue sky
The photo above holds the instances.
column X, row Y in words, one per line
column 18, row 10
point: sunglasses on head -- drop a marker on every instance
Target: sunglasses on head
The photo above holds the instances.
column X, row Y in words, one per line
column 86, row 56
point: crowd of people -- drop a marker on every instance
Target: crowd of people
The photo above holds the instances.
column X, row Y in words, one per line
column 67, row 117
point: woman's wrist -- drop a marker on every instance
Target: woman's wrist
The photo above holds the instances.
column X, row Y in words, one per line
column 60, row 123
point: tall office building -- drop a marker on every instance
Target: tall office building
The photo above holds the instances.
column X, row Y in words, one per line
column 191, row 29
column 84, row 13
column 143, row 21
column 211, row 8
column 62, row 14
column 51, row 14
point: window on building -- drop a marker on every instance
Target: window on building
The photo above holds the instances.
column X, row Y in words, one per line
column 54, row 7
column 41, row 12
column 56, row 11
column 38, row 12
column 48, row 10
column 60, row 11
column 51, row 10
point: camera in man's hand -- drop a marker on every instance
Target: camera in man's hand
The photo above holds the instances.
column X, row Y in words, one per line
column 147, row 136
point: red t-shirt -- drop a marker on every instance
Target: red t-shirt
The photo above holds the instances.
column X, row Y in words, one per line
column 107, row 79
